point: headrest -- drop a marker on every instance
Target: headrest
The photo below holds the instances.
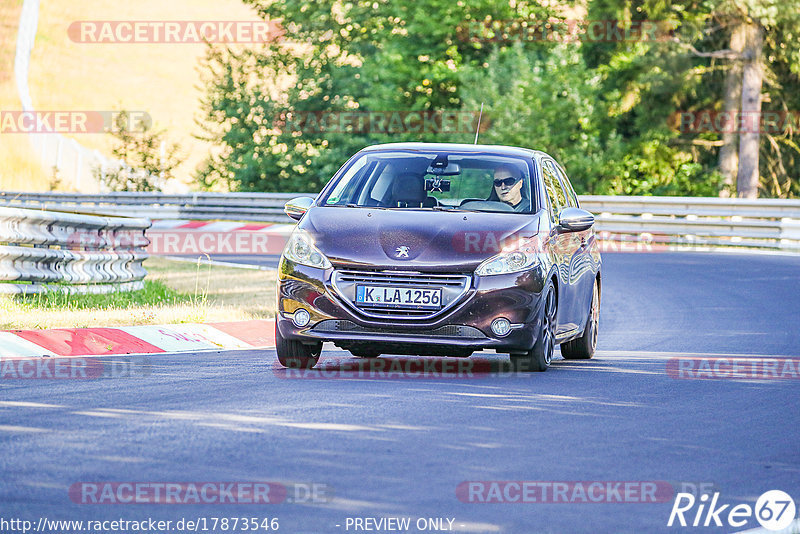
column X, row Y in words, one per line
column 409, row 187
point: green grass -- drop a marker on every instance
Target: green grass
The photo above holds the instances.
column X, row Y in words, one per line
column 174, row 292
column 155, row 292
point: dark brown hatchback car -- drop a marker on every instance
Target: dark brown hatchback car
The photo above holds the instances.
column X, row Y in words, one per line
column 441, row 250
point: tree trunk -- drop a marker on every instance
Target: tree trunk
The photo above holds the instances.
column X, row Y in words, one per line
column 728, row 153
column 749, row 136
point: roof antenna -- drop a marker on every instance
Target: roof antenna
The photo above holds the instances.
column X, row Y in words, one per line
column 478, row 129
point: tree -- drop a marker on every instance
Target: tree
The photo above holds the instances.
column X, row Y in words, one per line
column 383, row 56
column 714, row 46
column 548, row 101
column 604, row 108
column 746, row 22
column 728, row 153
column 147, row 161
column 749, row 140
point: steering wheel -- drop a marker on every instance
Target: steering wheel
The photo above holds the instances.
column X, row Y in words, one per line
column 486, row 205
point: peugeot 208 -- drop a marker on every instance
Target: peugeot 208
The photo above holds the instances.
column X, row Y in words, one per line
column 441, row 250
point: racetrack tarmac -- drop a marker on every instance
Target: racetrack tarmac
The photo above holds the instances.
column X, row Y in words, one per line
column 401, row 444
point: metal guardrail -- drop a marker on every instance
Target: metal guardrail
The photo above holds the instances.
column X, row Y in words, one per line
column 700, row 206
column 70, row 253
column 261, row 207
column 696, row 221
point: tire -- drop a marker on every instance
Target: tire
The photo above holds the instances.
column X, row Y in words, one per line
column 583, row 347
column 294, row 354
column 540, row 356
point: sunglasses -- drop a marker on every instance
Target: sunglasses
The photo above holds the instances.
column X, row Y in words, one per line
column 508, row 182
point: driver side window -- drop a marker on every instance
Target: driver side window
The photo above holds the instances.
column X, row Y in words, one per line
column 555, row 194
column 571, row 198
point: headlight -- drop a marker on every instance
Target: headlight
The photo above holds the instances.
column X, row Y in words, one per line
column 300, row 249
column 520, row 258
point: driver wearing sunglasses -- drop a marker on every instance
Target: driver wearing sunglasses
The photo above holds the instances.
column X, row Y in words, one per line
column 508, row 188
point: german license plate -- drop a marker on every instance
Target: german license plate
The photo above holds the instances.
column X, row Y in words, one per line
column 399, row 297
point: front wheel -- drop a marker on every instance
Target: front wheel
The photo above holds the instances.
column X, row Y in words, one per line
column 583, row 347
column 540, row 356
column 294, row 354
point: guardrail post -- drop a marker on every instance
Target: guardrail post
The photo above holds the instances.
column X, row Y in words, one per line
column 790, row 234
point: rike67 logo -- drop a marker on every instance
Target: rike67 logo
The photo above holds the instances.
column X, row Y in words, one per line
column 774, row 510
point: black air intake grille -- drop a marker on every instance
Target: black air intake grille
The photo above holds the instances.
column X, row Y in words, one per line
column 451, row 331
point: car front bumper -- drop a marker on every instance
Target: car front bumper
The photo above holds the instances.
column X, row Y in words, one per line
column 465, row 327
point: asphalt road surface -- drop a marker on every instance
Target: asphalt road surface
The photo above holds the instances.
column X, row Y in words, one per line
column 401, row 445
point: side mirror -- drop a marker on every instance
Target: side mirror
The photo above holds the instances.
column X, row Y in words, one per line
column 297, row 207
column 575, row 219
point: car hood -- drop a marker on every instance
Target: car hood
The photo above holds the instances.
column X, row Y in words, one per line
column 414, row 239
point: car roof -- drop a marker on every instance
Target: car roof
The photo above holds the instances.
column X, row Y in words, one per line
column 457, row 147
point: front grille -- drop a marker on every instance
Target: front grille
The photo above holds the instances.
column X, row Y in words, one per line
column 451, row 331
column 453, row 286
column 403, row 278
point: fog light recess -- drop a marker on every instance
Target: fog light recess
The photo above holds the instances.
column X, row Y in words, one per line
column 501, row 327
column 301, row 318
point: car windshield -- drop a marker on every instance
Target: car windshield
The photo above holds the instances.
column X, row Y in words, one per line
column 435, row 180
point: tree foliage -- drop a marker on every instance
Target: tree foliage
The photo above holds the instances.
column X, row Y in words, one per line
column 604, row 108
column 146, row 159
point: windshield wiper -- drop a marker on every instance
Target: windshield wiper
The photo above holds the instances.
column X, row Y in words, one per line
column 354, row 205
column 436, row 208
